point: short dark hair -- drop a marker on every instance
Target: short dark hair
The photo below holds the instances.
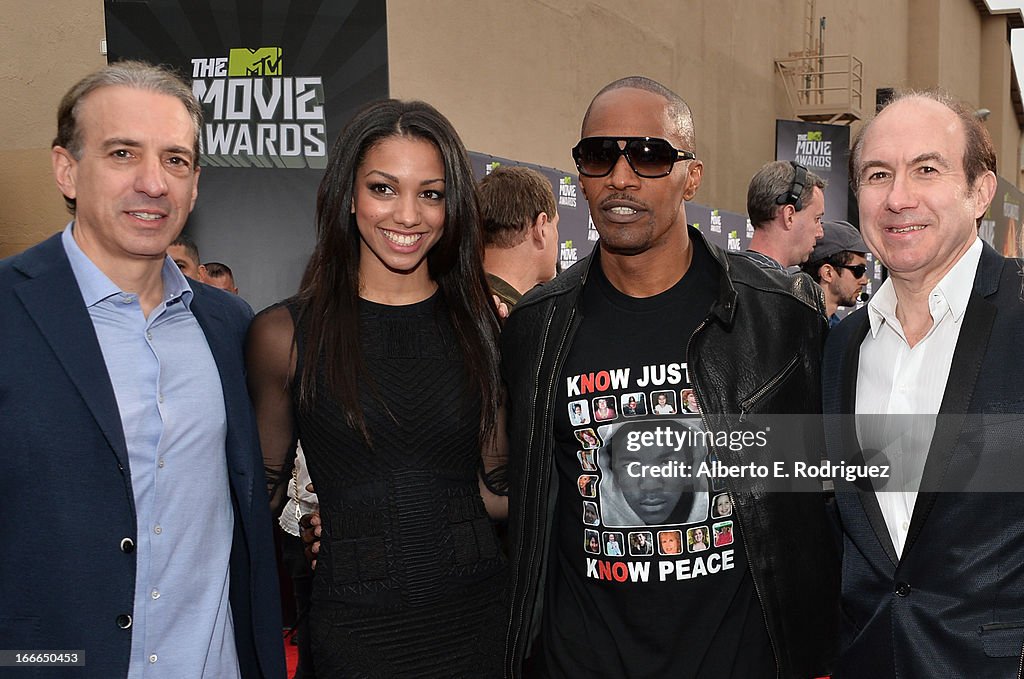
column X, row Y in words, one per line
column 138, row 75
column 677, row 108
column 511, row 199
column 979, row 152
column 837, row 260
column 771, row 181
column 190, row 247
column 218, row 270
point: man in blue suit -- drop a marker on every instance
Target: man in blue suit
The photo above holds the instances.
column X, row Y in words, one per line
column 933, row 575
column 133, row 518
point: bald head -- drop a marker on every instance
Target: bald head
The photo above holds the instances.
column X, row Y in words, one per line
column 676, row 108
column 979, row 152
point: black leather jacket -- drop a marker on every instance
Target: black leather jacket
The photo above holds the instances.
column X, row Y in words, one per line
column 758, row 351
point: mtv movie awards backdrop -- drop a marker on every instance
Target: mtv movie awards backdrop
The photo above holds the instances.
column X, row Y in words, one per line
column 277, row 82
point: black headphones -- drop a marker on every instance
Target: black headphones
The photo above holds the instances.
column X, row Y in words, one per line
column 792, row 196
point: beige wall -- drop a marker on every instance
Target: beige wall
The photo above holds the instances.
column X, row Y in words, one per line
column 515, row 77
column 996, row 72
column 48, row 46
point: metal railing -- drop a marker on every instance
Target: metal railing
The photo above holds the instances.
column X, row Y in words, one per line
column 824, row 88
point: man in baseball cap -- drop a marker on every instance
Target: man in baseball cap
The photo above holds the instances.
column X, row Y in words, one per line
column 839, row 266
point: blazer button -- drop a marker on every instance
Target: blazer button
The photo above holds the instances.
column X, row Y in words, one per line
column 902, row 589
column 124, row 621
column 127, row 545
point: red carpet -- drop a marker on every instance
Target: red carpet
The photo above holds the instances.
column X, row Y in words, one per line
column 291, row 654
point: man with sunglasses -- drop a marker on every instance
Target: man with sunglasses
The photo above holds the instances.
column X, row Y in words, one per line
column 656, row 307
column 785, row 203
column 838, row 265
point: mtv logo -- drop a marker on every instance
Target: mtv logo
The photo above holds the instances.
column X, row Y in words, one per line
column 814, row 136
column 245, row 62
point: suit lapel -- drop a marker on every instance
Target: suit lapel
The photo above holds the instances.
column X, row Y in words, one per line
column 866, row 495
column 53, row 301
column 224, row 345
column 971, row 346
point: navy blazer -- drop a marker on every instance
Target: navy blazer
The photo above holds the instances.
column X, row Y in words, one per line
column 953, row 605
column 67, row 512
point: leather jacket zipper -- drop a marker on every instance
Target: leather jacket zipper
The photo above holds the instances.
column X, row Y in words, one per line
column 746, row 405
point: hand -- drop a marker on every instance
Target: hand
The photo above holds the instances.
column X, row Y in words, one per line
column 309, row 529
column 503, row 310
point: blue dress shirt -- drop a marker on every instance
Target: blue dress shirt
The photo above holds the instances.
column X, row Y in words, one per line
column 171, row 405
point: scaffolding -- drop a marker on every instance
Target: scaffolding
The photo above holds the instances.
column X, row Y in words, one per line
column 820, row 87
column 824, row 88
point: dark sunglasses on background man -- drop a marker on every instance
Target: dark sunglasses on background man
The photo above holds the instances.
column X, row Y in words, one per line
column 649, row 157
column 857, row 270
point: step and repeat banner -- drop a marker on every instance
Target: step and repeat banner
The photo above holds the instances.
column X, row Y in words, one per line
column 277, row 81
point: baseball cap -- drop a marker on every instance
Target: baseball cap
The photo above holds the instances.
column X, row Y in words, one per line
column 839, row 237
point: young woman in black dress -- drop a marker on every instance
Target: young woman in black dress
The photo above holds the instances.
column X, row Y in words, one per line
column 385, row 365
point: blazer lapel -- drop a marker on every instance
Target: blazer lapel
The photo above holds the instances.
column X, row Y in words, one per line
column 224, row 345
column 971, row 345
column 52, row 299
column 865, row 493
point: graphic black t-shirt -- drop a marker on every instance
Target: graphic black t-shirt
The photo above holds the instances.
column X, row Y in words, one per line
column 648, row 576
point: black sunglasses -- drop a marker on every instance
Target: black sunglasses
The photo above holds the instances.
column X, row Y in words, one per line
column 649, row 157
column 857, row 271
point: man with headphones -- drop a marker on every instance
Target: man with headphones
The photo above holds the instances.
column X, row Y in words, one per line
column 785, row 203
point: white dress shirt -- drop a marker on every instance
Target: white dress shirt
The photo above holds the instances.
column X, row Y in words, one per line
column 896, row 381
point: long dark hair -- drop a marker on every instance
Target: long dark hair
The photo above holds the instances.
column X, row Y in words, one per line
column 329, row 294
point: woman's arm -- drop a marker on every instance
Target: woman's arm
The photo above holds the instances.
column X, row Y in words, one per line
column 270, row 365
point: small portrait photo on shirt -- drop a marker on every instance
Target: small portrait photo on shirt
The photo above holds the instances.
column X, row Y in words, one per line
column 641, row 543
column 633, row 405
column 612, row 544
column 592, row 541
column 663, row 402
column 723, row 533
column 721, row 506
column 579, row 413
column 588, row 439
column 688, row 402
column 604, row 409
column 587, row 485
column 590, row 516
column 697, row 539
column 587, row 461
column 670, row 542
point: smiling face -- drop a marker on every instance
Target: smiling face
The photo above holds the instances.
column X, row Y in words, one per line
column 723, row 505
column 632, row 214
column 917, row 212
column 669, row 542
column 135, row 180
column 398, row 203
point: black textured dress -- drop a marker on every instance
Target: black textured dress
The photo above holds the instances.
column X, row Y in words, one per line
column 410, row 578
